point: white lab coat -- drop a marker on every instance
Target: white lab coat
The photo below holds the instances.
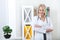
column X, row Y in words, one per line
column 39, row 31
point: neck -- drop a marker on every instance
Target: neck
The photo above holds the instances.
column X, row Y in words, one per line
column 42, row 16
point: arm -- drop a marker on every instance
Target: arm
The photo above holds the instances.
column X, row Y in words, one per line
column 49, row 30
column 50, row 27
column 37, row 26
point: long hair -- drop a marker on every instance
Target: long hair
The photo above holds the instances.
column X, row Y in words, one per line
column 42, row 5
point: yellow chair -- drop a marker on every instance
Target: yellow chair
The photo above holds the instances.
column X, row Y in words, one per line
column 28, row 31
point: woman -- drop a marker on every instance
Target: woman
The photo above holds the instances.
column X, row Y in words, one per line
column 42, row 24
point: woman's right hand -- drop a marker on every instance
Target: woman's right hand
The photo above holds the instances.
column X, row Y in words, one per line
column 37, row 26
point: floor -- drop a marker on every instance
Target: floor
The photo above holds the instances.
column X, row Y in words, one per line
column 17, row 39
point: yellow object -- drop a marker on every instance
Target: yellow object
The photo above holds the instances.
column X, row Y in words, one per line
column 27, row 32
column 27, row 39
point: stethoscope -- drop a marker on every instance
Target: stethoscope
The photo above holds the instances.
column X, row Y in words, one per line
column 40, row 18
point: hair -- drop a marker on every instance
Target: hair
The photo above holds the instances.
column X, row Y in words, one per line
column 41, row 5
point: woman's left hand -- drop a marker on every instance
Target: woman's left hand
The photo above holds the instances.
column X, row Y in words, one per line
column 49, row 30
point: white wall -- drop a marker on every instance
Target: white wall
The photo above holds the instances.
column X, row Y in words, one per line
column 12, row 17
column 3, row 16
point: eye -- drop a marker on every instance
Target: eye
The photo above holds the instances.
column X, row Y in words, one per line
column 43, row 10
column 40, row 10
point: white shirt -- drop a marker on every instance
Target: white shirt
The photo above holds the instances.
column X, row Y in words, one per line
column 45, row 25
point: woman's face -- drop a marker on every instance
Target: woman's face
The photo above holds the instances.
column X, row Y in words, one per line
column 41, row 11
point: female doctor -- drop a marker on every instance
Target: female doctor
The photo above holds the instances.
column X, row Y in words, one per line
column 42, row 25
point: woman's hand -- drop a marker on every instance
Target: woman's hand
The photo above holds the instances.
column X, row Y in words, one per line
column 38, row 26
column 49, row 30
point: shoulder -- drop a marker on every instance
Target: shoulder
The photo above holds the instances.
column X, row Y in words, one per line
column 35, row 17
column 48, row 18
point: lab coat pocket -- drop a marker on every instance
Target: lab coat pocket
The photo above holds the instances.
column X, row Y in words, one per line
column 49, row 36
column 38, row 36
